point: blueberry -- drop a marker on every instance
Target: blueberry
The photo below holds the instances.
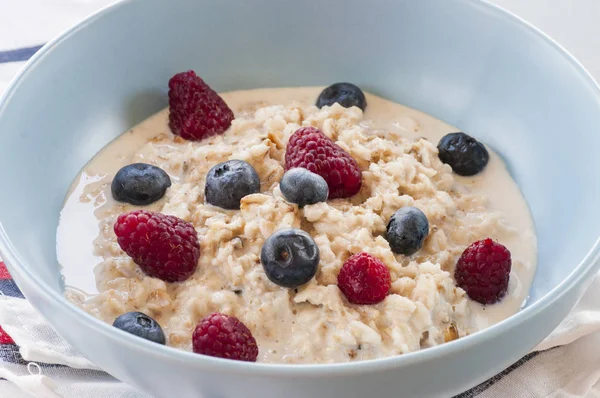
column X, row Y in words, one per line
column 303, row 187
column 290, row 257
column 140, row 184
column 228, row 182
column 345, row 94
column 141, row 325
column 407, row 230
column 463, row 153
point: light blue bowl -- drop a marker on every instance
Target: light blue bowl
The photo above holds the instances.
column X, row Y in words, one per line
column 466, row 62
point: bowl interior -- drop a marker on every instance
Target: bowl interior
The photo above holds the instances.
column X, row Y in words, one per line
column 461, row 61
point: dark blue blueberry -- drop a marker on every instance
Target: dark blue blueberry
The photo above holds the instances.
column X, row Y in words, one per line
column 303, row 187
column 228, row 182
column 463, row 153
column 345, row 94
column 141, row 325
column 140, row 184
column 407, row 230
column 290, row 257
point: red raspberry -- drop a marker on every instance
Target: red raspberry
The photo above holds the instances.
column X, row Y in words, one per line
column 165, row 247
column 364, row 279
column 483, row 270
column 309, row 148
column 195, row 110
column 224, row 336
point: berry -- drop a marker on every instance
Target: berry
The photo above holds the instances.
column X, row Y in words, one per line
column 290, row 257
column 165, row 247
column 345, row 94
column 140, row 184
column 483, row 271
column 463, row 153
column 407, row 230
column 364, row 279
column 141, row 325
column 224, row 336
column 228, row 182
column 303, row 187
column 310, row 149
column 195, row 110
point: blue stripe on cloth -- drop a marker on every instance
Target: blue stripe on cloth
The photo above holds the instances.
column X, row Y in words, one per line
column 8, row 287
column 475, row 391
column 10, row 353
column 19, row 54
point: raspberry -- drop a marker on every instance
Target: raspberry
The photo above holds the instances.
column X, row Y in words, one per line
column 309, row 148
column 195, row 110
column 224, row 336
column 364, row 279
column 165, row 247
column 483, row 271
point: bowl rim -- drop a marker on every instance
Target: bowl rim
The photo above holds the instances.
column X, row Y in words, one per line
column 13, row 260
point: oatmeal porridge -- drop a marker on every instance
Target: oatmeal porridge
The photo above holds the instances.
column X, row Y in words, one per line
column 395, row 149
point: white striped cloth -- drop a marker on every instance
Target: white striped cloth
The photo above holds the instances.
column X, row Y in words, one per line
column 40, row 364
